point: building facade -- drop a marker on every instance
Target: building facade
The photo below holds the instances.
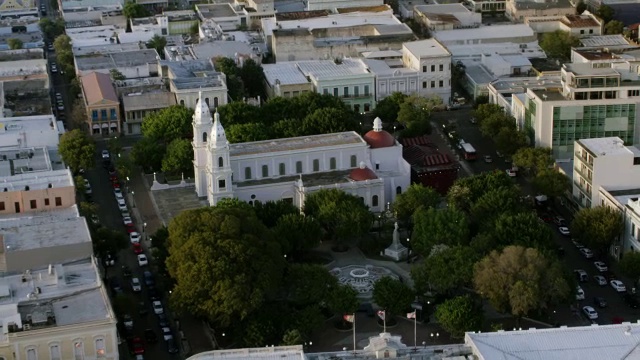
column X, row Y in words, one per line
column 370, row 167
column 433, row 62
column 137, row 106
column 102, row 104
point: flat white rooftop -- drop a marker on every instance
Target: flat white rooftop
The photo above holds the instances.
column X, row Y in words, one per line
column 300, row 143
column 604, row 40
column 485, row 32
column 269, row 353
column 287, row 73
column 329, row 69
column 607, row 146
column 34, row 180
column 25, row 131
column 93, row 35
column 530, row 50
column 426, row 48
column 332, row 21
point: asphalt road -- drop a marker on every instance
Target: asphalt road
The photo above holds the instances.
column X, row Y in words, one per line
column 572, row 258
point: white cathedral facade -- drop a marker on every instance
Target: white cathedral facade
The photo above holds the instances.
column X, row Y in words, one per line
column 370, row 166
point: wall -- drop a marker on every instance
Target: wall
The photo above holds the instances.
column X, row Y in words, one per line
column 33, row 258
column 430, row 74
column 519, row 15
column 181, row 27
column 67, row 195
column 333, row 4
column 404, row 82
column 289, row 90
column 188, row 97
column 363, row 102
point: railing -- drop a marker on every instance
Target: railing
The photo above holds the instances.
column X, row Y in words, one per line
column 582, row 188
column 586, row 176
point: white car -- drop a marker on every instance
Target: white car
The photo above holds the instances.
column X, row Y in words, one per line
column 602, row 267
column 488, row 159
column 118, row 193
column 105, row 154
column 127, row 220
column 590, row 312
column 134, row 237
column 579, row 293
column 564, row 230
column 577, row 244
column 618, row 286
column 511, row 173
column 122, row 205
column 87, row 187
column 157, row 307
column 142, row 260
column 166, row 333
column 136, row 286
column 600, row 280
column 125, row 213
column 586, row 253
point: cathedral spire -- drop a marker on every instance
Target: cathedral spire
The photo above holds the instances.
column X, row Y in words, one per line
column 377, row 125
column 218, row 136
column 202, row 115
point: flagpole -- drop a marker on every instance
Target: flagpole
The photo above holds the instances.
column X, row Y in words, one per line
column 384, row 321
column 354, row 333
column 415, row 333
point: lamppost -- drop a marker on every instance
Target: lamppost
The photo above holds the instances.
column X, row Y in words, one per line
column 133, row 198
column 126, row 185
column 434, row 337
column 144, row 228
column 424, row 344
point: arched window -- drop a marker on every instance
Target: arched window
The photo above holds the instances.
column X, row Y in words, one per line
column 32, row 354
column 100, row 348
column 265, row 171
column 316, row 165
column 220, row 162
column 332, row 163
column 204, row 136
column 54, row 352
column 354, row 161
column 362, row 199
column 374, row 200
column 206, row 100
column 78, row 350
column 247, row 173
column 215, row 101
column 298, row 167
column 399, row 190
column 181, row 102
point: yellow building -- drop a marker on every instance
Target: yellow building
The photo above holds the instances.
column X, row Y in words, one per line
column 102, row 104
column 13, row 5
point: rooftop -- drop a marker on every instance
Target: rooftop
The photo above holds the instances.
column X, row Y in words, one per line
column 29, row 103
column 230, row 49
column 426, row 48
column 93, row 35
column 606, row 146
column 604, row 40
column 530, row 49
column 346, row 20
column 286, row 73
column 328, row 69
column 149, row 100
column 485, row 32
column 198, row 82
column 588, row 69
column 97, row 87
column 94, row 4
column 381, row 68
column 378, row 8
column 296, row 143
column 24, row 131
column 521, row 84
column 21, row 54
column 595, row 54
column 105, row 48
column 114, row 60
column 212, row 11
column 188, row 68
column 578, row 21
column 548, row 4
column 441, row 8
column 23, row 67
column 548, row 95
column 32, row 164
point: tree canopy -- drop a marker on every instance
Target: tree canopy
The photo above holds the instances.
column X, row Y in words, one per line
column 533, row 159
column 522, row 229
column 178, row 159
column 445, row 271
column 77, row 150
column 434, row 227
column 597, row 227
column 392, row 295
column 343, row 300
column 14, row 43
column 630, row 265
column 158, row 43
column 551, row 182
column 466, row 191
column 558, row 44
column 416, row 197
column 459, row 315
column 614, row 27
column 297, row 234
column 388, row 108
column 310, row 284
column 134, row 10
column 520, row 280
column 51, row 28
column 606, row 13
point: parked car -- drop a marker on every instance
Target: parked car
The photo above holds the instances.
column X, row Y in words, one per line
column 564, row 231
column 137, row 248
column 577, row 244
column 166, row 333
column 511, row 173
column 142, row 260
column 581, row 275
column 601, row 266
column 118, row 193
column 587, row 253
column 618, row 286
column 127, row 321
column 134, row 237
column 590, row 312
column 150, row 336
column 105, row 155
column 127, row 221
column 148, row 279
column 600, row 280
column 172, row 347
column 488, row 159
column 600, row 302
column 559, row 221
column 579, row 293
column 138, row 346
column 136, row 286
column 157, row 307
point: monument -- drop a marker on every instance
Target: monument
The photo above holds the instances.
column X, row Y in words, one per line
column 396, row 251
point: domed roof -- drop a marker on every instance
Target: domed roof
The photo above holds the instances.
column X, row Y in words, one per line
column 378, row 138
column 362, row 173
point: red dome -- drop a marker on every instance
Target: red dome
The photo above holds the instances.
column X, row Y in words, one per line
column 379, row 139
column 362, row 173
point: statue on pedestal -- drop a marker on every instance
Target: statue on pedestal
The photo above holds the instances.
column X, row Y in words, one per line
column 396, row 250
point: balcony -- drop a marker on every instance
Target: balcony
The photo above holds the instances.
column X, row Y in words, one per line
column 584, row 175
column 582, row 188
column 583, row 159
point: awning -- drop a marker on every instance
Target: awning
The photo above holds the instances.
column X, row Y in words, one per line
column 96, row 126
column 105, row 125
column 113, row 124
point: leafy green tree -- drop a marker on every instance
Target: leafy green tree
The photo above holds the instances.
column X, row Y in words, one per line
column 480, row 100
column 116, row 75
column 108, row 241
column 297, row 234
column 158, row 43
column 223, row 264
column 307, row 320
column 328, row 120
column 558, row 44
column 252, row 76
column 292, row 337
column 581, row 7
column 392, row 295
column 168, row 124
column 238, row 133
column 388, row 108
column 494, row 203
column 551, row 183
column 123, row 165
column 238, row 113
column 133, row 10
column 509, row 140
column 62, row 44
column 492, row 125
column 271, row 212
column 266, row 326
column 597, row 227
column 466, row 191
column 415, row 112
column 77, row 150
column 80, row 186
column 416, row 197
column 445, row 271
column 459, row 315
column 178, row 159
column 630, row 265
column 522, row 229
column 343, row 300
column 533, row 159
column 309, row 284
column 14, row 43
column 606, row 13
column 484, row 111
column 51, row 28
column 226, row 65
column 160, row 248
column 343, row 216
column 520, row 280
column 614, row 27
column 148, row 154
column 433, row 227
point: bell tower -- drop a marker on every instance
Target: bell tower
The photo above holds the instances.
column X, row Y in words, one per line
column 202, row 124
column 219, row 169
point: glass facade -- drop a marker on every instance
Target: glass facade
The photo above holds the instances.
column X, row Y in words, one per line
column 572, row 123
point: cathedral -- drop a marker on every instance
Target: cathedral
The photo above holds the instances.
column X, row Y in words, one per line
column 370, row 167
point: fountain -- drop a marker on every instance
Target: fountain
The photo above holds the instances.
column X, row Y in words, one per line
column 361, row 278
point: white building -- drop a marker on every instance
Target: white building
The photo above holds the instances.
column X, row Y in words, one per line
column 94, row 35
column 370, row 167
column 516, row 33
column 340, row 4
column 132, row 64
column 433, row 61
column 446, row 16
column 190, row 78
column 627, row 202
column 586, row 24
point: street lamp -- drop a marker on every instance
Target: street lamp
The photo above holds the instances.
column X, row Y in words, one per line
column 144, row 228
column 133, row 199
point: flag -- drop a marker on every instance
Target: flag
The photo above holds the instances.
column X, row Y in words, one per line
column 411, row 315
column 349, row 318
column 381, row 314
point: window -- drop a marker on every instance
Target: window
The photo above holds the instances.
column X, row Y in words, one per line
column 367, row 107
column 100, row 350
column 215, row 101
column 103, row 114
column 325, row 91
column 440, row 83
column 204, row 137
column 220, row 162
column 222, row 184
column 265, row 171
column 181, row 102
column 424, row 68
column 354, row 161
column 332, row 166
column 433, row 68
column 366, row 91
column 54, row 352
column 581, row 31
column 2, row 208
column 377, row 166
column 591, row 31
column 374, row 200
column 58, row 201
column 78, row 350
column 206, row 101
column 316, row 165
column 441, row 67
column 399, row 190
column 346, row 91
column 94, row 115
column 114, row 116
column 633, row 229
column 281, row 169
column 335, row 91
column 633, row 93
column 247, row 173
column 356, row 91
column 433, row 83
column 31, row 354
column 298, row 167
column 46, row 203
column 33, row 204
column 424, row 84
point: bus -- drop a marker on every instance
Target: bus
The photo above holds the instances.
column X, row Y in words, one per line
column 468, row 151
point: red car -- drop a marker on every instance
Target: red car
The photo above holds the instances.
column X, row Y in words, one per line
column 115, row 185
column 113, row 178
column 138, row 346
column 137, row 248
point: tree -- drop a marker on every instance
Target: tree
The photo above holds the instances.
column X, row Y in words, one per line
column 466, row 191
column 133, row 10
column 226, row 65
column 160, row 248
column 509, row 140
column 123, row 165
column 614, row 27
column 581, row 7
column 533, row 159
column 551, row 183
column 168, row 124
column 116, row 75
column 415, row 112
column 558, row 44
column 392, row 295
column 158, row 42
column 178, row 158
column 494, row 203
column 597, row 227
column 493, row 124
column 343, row 216
column 108, row 241
column 388, row 108
column 14, row 43
column 606, row 13
column 520, row 280
column 80, row 186
column 522, row 229
column 238, row 113
column 271, row 212
column 252, row 77
column 343, row 300
column 416, row 197
column 328, row 120
column 292, row 337
column 484, row 111
column 77, row 150
column 223, row 264
column 480, row 100
column 148, row 154
column 238, row 133
column 62, row 44
column 433, row 227
column 51, row 28
column 307, row 320
column 309, row 284
column 630, row 265
column 78, row 116
column 459, row 315
column 297, row 234
column 445, row 271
